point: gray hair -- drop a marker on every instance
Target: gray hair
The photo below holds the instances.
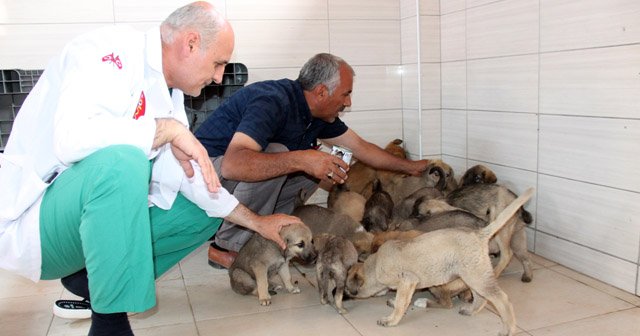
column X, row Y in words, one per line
column 324, row 69
column 198, row 16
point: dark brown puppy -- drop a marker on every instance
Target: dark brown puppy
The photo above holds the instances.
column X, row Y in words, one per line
column 378, row 209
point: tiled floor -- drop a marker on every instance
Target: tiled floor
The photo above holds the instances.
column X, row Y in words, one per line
column 195, row 299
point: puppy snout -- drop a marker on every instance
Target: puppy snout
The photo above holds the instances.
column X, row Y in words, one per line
column 310, row 256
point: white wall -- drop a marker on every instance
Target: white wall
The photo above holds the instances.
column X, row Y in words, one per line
column 547, row 93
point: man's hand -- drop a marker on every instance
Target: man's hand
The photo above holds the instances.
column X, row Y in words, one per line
column 269, row 227
column 324, row 166
column 417, row 168
column 186, row 147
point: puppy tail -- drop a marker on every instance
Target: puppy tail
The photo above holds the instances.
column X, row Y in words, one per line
column 506, row 214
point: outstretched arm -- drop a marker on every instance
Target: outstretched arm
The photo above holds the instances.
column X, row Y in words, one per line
column 377, row 157
column 267, row 226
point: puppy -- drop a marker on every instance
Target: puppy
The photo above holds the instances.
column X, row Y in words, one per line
column 433, row 259
column 260, row 259
column 347, row 202
column 476, row 175
column 380, row 238
column 361, row 175
column 335, row 256
column 323, row 220
column 378, row 209
column 486, row 201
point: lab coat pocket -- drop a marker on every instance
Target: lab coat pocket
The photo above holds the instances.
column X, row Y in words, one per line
column 20, row 187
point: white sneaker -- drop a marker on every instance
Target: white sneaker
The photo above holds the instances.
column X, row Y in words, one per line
column 72, row 309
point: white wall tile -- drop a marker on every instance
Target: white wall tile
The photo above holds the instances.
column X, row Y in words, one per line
column 33, row 46
column 378, row 127
column 503, row 84
column 594, row 82
column 448, row 6
column 410, row 129
column 453, row 43
column 377, row 88
column 410, row 86
column 409, row 40
column 596, row 150
column 408, row 9
column 503, row 138
column 477, row 3
column 38, row 12
column 429, row 7
column 364, row 9
column 151, row 10
column 502, row 28
column 366, row 42
column 430, row 85
column 429, row 38
column 296, row 42
column 276, row 10
column 454, row 132
column 454, row 85
column 602, row 218
column 614, row 271
column 638, row 284
column 567, row 24
column 431, row 128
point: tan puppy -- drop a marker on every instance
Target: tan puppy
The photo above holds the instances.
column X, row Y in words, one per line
column 260, row 259
column 486, row 201
column 434, row 259
column 335, row 256
column 347, row 202
column 380, row 238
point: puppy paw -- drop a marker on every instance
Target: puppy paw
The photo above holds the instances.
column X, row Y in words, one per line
column 391, row 303
column 421, row 303
column 526, row 278
column 294, row 290
column 265, row 301
column 465, row 311
column 341, row 311
column 385, row 322
column 323, row 301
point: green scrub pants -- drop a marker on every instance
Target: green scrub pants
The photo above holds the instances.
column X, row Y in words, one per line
column 96, row 216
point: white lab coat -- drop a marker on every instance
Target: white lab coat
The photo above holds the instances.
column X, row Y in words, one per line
column 84, row 101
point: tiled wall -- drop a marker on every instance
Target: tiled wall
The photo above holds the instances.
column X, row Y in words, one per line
column 547, row 93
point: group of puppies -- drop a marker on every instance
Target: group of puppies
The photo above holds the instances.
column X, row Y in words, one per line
column 382, row 230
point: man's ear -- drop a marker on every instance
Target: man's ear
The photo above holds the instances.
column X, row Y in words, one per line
column 321, row 91
column 192, row 40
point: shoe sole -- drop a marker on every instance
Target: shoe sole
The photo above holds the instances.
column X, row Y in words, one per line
column 216, row 265
column 74, row 314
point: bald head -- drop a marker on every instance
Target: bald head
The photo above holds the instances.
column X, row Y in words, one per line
column 197, row 43
column 199, row 16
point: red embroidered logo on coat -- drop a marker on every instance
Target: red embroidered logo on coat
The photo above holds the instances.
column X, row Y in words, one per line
column 140, row 107
column 113, row 60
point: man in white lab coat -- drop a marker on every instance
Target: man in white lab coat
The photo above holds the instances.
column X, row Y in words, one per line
column 101, row 180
